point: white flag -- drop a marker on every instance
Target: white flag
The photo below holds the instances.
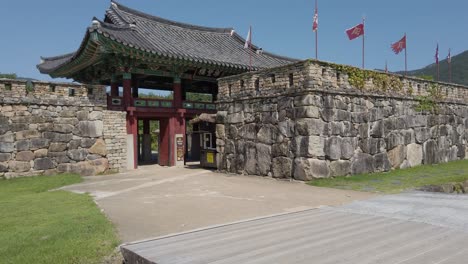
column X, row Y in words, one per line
column 248, row 40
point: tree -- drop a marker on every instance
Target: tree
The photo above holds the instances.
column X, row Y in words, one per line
column 8, row 76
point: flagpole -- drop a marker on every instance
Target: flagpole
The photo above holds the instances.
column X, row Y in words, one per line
column 250, row 49
column 316, row 32
column 449, row 60
column 406, row 56
column 363, row 42
column 438, row 64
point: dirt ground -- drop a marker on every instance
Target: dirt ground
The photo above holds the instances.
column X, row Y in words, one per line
column 155, row 201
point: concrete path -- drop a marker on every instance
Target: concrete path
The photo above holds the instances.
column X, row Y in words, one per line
column 392, row 229
column 155, row 201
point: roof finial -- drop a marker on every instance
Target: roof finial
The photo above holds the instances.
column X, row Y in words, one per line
column 232, row 32
column 96, row 23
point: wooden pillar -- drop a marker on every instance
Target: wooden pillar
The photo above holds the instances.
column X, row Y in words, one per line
column 135, row 85
column 177, row 89
column 132, row 140
column 127, row 89
column 132, row 123
column 177, row 125
column 114, row 87
column 147, row 140
column 164, row 142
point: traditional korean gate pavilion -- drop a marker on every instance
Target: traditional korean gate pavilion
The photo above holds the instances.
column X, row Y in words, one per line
column 132, row 50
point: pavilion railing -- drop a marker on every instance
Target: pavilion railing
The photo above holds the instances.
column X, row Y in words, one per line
column 160, row 103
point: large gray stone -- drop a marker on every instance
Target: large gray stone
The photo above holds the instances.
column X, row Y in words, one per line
column 27, row 134
column 333, row 148
column 394, row 139
column 362, row 163
column 95, row 115
column 309, row 127
column 306, row 112
column 348, row 146
column 90, row 128
column 311, row 147
column 340, row 168
column 264, row 159
column 430, row 152
column 19, row 166
column 43, row 164
column 24, row 156
column 57, row 147
column 6, row 147
column 99, row 148
column 87, row 142
column 23, row 145
column 309, row 169
column 221, row 131
column 235, row 118
column 77, row 154
column 287, row 128
column 281, row 149
column 8, row 138
column 5, row 157
column 63, row 128
column 41, row 153
column 250, row 159
column 381, row 162
column 397, row 156
column 377, row 129
column 38, row 143
column 282, row 167
column 3, row 167
column 269, row 134
column 69, row 121
column 248, row 132
column 414, row 154
column 306, row 100
column 58, row 137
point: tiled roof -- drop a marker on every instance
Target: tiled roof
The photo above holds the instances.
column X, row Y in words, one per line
column 174, row 40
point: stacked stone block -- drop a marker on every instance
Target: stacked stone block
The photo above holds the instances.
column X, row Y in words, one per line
column 48, row 132
column 316, row 125
column 115, row 138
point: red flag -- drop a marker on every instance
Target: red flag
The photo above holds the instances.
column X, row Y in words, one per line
column 355, row 32
column 399, row 46
column 315, row 25
column 437, row 54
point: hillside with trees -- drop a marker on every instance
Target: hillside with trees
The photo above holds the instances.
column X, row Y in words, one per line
column 459, row 70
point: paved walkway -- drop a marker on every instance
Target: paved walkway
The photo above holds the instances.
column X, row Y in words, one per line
column 414, row 228
column 155, row 201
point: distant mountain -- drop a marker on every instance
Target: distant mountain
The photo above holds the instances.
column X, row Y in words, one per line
column 459, row 70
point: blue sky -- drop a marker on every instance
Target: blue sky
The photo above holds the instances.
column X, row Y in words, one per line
column 31, row 29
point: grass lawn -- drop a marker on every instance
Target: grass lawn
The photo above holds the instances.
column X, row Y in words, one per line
column 42, row 226
column 400, row 180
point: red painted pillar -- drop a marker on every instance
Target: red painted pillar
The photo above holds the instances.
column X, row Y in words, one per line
column 132, row 120
column 127, row 89
column 177, row 124
column 114, row 88
column 177, row 88
column 164, row 142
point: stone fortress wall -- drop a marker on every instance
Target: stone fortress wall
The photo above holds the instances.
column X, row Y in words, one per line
column 314, row 119
column 48, row 128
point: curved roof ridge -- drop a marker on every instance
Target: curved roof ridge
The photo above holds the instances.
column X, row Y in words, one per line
column 113, row 26
column 58, row 57
column 121, row 7
column 242, row 40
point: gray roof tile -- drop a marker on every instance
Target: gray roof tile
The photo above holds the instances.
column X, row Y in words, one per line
column 175, row 40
